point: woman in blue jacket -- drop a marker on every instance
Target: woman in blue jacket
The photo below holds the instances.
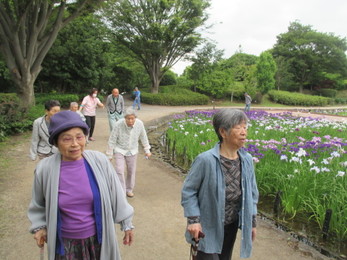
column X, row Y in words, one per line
column 220, row 192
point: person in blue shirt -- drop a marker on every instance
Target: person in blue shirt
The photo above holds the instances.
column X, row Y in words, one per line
column 137, row 100
column 220, row 193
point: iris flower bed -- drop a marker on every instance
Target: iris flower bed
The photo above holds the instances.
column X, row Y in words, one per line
column 304, row 158
column 338, row 112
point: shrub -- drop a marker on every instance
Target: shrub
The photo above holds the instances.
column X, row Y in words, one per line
column 12, row 118
column 64, row 99
column 297, row 99
column 258, row 98
column 340, row 101
column 327, row 92
column 174, row 96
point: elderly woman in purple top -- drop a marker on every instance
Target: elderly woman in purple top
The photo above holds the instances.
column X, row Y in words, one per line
column 77, row 197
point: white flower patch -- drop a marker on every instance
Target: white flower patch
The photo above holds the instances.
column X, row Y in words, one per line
column 301, row 152
column 340, row 174
column 325, row 161
column 335, row 154
column 295, row 159
column 344, row 164
column 316, row 169
column 311, row 162
column 284, row 158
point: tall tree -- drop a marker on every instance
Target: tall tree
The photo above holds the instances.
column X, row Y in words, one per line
column 239, row 63
column 311, row 54
column 265, row 72
column 216, row 83
column 28, row 29
column 157, row 32
column 204, row 61
column 80, row 58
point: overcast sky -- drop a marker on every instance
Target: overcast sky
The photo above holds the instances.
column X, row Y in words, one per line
column 254, row 24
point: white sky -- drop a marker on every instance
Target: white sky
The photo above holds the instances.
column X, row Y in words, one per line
column 254, row 24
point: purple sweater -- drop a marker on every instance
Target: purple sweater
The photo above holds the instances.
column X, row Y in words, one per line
column 75, row 201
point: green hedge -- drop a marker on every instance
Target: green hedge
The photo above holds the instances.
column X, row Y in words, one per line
column 341, row 101
column 297, row 99
column 64, row 99
column 12, row 119
column 174, row 96
column 327, row 92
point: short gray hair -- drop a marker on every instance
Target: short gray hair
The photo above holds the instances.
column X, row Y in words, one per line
column 73, row 104
column 226, row 119
column 130, row 111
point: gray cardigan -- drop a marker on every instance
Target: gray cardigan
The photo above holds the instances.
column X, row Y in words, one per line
column 39, row 139
column 44, row 204
column 112, row 108
column 203, row 195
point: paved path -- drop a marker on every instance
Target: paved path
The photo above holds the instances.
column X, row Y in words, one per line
column 158, row 217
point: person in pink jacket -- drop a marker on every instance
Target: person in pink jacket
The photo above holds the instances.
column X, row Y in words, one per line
column 88, row 109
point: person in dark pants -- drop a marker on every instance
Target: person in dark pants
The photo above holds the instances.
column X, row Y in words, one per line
column 88, row 109
column 220, row 193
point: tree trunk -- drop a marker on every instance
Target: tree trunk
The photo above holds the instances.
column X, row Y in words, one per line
column 25, row 84
column 155, row 77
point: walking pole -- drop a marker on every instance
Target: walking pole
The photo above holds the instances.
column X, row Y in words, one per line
column 42, row 249
column 194, row 248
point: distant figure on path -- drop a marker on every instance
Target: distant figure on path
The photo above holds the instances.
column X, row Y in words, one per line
column 77, row 197
column 220, row 193
column 40, row 147
column 248, row 101
column 88, row 109
column 124, row 145
column 74, row 108
column 137, row 100
column 115, row 107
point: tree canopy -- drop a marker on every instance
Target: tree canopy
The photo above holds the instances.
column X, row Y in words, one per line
column 265, row 72
column 157, row 32
column 310, row 55
column 28, row 29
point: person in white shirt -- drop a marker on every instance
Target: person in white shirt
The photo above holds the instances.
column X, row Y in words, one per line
column 123, row 145
column 74, row 108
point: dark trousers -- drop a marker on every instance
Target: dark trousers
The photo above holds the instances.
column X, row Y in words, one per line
column 90, row 121
column 230, row 232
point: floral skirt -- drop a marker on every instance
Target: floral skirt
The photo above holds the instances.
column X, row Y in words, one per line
column 81, row 249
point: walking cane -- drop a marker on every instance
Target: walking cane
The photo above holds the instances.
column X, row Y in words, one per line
column 42, row 249
column 194, row 247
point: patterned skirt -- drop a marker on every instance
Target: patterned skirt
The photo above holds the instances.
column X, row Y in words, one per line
column 81, row 249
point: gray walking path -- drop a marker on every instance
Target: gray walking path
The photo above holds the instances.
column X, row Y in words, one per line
column 158, row 219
